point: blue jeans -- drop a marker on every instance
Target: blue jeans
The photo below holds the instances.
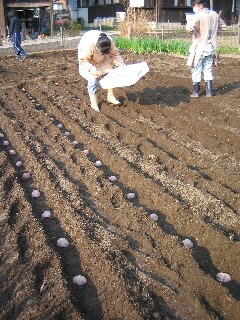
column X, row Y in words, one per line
column 92, row 86
column 16, row 41
column 204, row 66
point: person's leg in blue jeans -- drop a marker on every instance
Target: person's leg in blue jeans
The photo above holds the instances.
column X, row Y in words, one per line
column 196, row 77
column 208, row 74
column 92, row 91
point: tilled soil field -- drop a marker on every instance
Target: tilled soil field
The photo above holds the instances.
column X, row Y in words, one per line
column 179, row 156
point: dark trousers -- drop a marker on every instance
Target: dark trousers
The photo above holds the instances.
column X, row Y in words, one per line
column 16, row 41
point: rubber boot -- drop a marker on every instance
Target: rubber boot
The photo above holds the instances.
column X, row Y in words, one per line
column 196, row 89
column 209, row 88
column 111, row 98
column 94, row 102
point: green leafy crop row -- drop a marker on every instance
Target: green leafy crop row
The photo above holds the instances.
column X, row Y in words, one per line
column 141, row 45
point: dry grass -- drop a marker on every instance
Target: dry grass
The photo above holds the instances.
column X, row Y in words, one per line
column 137, row 21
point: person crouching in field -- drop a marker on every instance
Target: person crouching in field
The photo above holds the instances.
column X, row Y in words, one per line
column 15, row 34
column 204, row 28
column 96, row 54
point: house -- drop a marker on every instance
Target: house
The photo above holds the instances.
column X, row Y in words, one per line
column 160, row 10
column 230, row 10
column 34, row 14
column 91, row 9
column 174, row 10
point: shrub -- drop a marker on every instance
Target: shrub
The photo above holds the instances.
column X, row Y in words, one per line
column 138, row 21
column 74, row 28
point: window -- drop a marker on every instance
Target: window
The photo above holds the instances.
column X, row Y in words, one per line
column 57, row 6
column 168, row 3
column 182, row 3
column 83, row 3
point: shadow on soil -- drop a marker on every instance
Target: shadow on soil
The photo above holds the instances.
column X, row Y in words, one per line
column 84, row 298
column 150, row 304
column 163, row 96
column 228, row 87
column 203, row 258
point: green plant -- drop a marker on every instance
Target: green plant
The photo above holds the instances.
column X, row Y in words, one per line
column 228, row 49
column 179, row 47
column 108, row 28
column 141, row 45
column 74, row 28
column 71, row 28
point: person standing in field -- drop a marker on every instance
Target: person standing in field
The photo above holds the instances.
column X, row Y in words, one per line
column 15, row 34
column 96, row 55
column 204, row 29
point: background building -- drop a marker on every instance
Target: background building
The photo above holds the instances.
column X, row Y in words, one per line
column 174, row 10
column 35, row 14
column 2, row 20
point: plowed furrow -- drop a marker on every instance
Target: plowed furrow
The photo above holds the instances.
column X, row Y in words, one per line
column 190, row 195
column 148, row 167
column 77, row 234
column 57, row 94
column 62, row 182
column 25, row 249
column 39, row 150
column 179, row 168
column 182, row 145
column 179, row 157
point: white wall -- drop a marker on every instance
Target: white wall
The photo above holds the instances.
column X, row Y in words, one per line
column 136, row 3
column 83, row 12
column 74, row 14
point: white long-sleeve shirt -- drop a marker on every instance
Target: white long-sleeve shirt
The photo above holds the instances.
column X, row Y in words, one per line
column 205, row 27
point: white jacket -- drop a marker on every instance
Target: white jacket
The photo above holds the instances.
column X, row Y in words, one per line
column 89, row 56
column 205, row 27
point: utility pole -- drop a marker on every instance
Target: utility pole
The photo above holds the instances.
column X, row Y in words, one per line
column 2, row 20
column 51, row 17
column 211, row 4
column 239, row 33
column 156, row 13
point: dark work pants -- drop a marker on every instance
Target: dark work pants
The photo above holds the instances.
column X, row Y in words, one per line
column 16, row 41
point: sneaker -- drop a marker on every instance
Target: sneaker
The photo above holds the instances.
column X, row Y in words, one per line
column 18, row 57
column 24, row 56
